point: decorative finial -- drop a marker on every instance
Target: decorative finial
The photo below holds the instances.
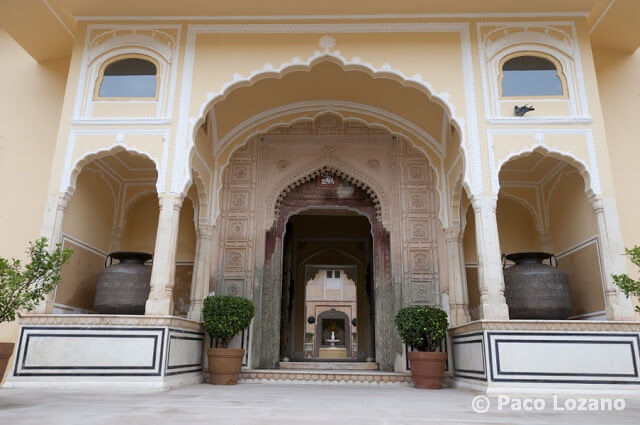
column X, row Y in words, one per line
column 326, row 42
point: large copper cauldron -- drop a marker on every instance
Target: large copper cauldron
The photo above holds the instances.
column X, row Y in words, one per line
column 123, row 288
column 535, row 290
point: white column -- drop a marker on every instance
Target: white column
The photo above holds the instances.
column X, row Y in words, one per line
column 619, row 307
column 458, row 294
column 493, row 305
column 201, row 271
column 160, row 301
column 546, row 243
column 52, row 230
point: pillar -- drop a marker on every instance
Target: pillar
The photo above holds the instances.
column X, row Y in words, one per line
column 201, row 271
column 458, row 294
column 493, row 305
column 160, row 301
column 619, row 307
column 52, row 230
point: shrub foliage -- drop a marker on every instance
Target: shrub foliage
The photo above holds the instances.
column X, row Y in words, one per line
column 22, row 287
column 422, row 327
column 224, row 316
column 629, row 286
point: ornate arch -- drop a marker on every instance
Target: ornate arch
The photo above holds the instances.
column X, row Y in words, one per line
column 355, row 64
column 591, row 185
column 345, row 171
column 440, row 181
column 70, row 176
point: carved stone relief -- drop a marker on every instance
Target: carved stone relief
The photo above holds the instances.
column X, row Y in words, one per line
column 393, row 174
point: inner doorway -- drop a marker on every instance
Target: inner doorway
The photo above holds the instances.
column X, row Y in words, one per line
column 328, row 287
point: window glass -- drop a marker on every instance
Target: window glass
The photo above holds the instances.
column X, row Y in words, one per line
column 530, row 76
column 129, row 78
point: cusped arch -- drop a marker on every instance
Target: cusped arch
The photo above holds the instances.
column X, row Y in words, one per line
column 386, row 71
column 308, row 172
column 70, row 178
column 196, row 179
column 321, row 112
column 591, row 185
column 296, row 65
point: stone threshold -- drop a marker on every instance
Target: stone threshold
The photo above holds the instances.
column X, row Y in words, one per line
column 546, row 325
column 324, row 376
column 326, row 365
column 109, row 320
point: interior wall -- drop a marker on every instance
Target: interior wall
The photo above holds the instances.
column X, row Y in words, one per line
column 573, row 233
column 87, row 228
column 516, row 227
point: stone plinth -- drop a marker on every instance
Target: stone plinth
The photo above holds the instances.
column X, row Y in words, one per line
column 107, row 351
column 333, row 353
column 546, row 357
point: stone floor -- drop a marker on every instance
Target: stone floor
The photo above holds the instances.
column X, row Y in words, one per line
column 280, row 404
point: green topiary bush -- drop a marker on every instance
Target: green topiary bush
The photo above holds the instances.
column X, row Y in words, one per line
column 422, row 327
column 224, row 316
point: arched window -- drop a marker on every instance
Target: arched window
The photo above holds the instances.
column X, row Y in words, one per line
column 531, row 75
column 131, row 77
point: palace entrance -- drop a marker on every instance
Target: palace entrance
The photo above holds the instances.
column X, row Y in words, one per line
column 327, row 304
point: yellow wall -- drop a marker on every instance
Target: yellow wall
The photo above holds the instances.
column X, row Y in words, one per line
column 516, row 227
column 28, row 129
column 618, row 75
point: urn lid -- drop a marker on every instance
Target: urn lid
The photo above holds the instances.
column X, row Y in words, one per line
column 127, row 256
column 528, row 257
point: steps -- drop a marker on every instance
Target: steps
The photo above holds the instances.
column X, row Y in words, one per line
column 343, row 366
column 315, row 376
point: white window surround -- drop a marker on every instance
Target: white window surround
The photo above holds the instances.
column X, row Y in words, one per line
column 122, row 40
column 519, row 38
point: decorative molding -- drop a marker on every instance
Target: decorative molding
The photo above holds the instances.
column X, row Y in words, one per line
column 558, row 39
column 333, row 106
column 336, row 17
column 546, row 325
column 307, row 172
column 185, row 143
column 71, row 170
column 587, row 168
column 120, row 121
column 539, row 120
column 105, row 41
column 108, row 320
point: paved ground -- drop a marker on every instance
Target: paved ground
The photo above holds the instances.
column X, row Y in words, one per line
column 280, row 404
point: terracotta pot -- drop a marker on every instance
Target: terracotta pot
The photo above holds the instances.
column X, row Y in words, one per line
column 224, row 365
column 6, row 349
column 427, row 369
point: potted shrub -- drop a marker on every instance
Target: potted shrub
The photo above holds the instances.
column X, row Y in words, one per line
column 224, row 316
column 423, row 329
column 22, row 287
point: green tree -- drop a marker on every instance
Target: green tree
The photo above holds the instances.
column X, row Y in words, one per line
column 422, row 327
column 629, row 286
column 224, row 316
column 22, row 287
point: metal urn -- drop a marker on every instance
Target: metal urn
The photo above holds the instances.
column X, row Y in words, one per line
column 123, row 288
column 535, row 290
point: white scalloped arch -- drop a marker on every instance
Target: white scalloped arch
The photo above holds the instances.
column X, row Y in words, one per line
column 543, row 149
column 70, row 178
column 355, row 64
column 439, row 181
